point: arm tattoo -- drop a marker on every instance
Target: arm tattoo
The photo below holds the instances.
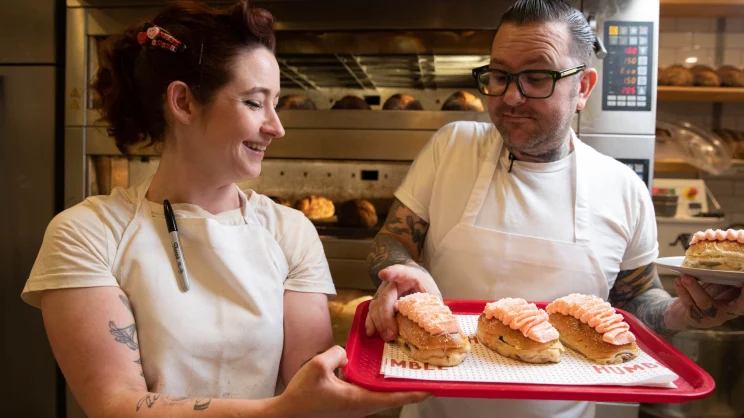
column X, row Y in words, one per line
column 148, row 400
column 398, row 242
column 126, row 303
column 124, row 335
column 202, row 404
column 640, row 293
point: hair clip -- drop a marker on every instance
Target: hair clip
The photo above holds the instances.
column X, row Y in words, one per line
column 154, row 36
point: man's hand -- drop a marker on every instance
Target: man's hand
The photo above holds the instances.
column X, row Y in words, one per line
column 398, row 280
column 703, row 305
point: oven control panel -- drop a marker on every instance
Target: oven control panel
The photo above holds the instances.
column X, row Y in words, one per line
column 627, row 77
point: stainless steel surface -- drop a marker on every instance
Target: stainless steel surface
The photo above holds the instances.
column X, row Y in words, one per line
column 27, row 146
column 593, row 119
column 22, row 25
column 76, row 80
column 75, row 166
column 617, row 410
column 720, row 353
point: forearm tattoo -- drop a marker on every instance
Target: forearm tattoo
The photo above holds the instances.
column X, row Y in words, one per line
column 400, row 241
column 150, row 399
column 640, row 292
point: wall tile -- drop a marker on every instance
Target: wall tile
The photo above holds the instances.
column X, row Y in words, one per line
column 734, row 25
column 732, row 56
column 704, row 39
column 675, row 39
column 696, row 24
column 668, row 56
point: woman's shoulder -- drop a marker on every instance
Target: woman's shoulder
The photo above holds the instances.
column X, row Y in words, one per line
column 97, row 214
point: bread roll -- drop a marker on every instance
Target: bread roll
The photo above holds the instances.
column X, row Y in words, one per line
column 716, row 250
column 296, row 103
column 512, row 344
column 676, row 75
column 357, row 212
column 316, row 207
column 351, row 102
column 441, row 350
column 429, row 332
column 463, row 100
column 706, row 78
column 588, row 342
column 592, row 327
column 402, row 102
column 730, row 76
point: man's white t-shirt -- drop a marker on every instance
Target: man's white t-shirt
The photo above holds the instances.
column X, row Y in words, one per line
column 534, row 199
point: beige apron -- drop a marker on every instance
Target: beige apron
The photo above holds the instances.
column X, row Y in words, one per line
column 478, row 263
column 224, row 337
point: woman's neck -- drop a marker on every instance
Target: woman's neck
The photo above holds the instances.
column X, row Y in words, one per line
column 181, row 182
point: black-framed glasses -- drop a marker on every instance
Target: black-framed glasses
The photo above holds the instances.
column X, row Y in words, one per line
column 533, row 84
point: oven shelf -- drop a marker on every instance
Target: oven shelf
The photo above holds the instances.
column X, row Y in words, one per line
column 679, row 166
column 702, row 8
column 700, row 94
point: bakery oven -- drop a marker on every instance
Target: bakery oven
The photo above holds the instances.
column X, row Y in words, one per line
column 341, row 164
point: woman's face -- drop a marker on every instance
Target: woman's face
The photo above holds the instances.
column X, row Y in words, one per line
column 240, row 122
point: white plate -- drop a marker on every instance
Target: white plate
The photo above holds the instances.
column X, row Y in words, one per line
column 731, row 278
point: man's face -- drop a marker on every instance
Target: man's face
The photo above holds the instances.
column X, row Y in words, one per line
column 534, row 126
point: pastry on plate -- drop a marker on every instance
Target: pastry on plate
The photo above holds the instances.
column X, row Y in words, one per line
column 519, row 330
column 716, row 250
column 429, row 332
column 591, row 326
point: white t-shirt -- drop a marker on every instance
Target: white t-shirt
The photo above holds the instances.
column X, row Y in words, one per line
column 535, row 199
column 223, row 338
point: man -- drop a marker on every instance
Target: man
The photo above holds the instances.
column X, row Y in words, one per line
column 525, row 209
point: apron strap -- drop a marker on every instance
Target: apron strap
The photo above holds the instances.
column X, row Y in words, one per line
column 483, row 181
column 582, row 216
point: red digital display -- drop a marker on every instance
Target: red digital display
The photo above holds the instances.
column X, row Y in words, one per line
column 631, row 50
column 628, row 90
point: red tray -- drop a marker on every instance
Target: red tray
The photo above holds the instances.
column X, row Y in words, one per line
column 365, row 357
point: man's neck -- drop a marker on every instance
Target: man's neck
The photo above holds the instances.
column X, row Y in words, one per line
column 555, row 154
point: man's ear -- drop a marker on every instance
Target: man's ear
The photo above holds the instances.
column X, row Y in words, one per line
column 181, row 103
column 586, row 85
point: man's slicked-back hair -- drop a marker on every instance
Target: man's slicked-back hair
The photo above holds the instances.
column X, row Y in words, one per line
column 525, row 12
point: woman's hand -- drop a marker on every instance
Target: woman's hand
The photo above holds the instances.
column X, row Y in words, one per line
column 315, row 391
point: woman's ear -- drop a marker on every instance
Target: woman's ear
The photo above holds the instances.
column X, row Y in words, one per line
column 181, row 103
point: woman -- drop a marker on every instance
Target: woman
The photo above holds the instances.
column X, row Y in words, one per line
column 130, row 338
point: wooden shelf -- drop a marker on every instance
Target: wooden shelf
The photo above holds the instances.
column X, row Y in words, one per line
column 702, row 8
column 700, row 94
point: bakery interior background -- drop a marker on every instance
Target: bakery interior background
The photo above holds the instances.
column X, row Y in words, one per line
column 43, row 169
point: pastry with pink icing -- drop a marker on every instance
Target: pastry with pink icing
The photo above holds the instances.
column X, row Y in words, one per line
column 592, row 327
column 519, row 330
column 716, row 250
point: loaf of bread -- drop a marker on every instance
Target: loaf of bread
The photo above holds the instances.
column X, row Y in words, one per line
column 730, row 76
column 676, row 75
column 351, row 102
column 591, row 326
column 706, row 78
column 296, row 103
column 402, row 102
column 519, row 330
column 429, row 332
column 316, row 207
column 463, row 100
column 357, row 212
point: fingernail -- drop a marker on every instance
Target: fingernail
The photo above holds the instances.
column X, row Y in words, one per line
column 687, row 279
column 388, row 335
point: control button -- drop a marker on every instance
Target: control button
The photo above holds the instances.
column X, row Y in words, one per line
column 642, row 104
column 643, row 30
column 642, row 80
column 611, row 97
column 642, row 60
column 623, row 40
column 613, row 30
column 612, row 103
column 623, row 30
column 641, row 98
column 642, row 70
column 642, row 50
column 632, row 40
column 641, row 91
column 643, row 40
column 613, row 40
column 691, row 193
column 634, row 30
